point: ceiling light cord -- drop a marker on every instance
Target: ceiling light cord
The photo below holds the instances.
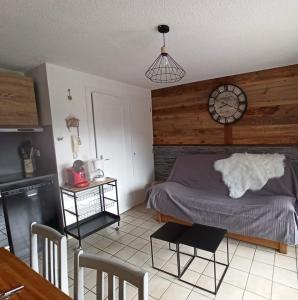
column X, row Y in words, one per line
column 163, row 48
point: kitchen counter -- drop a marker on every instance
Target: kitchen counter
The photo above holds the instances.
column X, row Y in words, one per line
column 17, row 178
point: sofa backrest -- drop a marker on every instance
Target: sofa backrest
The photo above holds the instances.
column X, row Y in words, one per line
column 285, row 185
column 197, row 171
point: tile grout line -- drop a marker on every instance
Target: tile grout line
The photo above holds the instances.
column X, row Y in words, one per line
column 272, row 275
column 249, row 272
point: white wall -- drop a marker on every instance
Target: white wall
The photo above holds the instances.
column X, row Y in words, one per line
column 53, row 83
column 81, row 85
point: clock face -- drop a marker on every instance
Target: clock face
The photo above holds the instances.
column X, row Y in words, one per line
column 227, row 104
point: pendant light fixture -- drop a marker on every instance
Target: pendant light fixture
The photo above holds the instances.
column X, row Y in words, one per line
column 165, row 69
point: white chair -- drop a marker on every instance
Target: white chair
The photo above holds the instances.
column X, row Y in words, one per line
column 296, row 247
column 113, row 267
column 54, row 255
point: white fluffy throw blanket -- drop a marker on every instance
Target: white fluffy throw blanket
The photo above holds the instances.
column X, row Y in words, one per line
column 244, row 171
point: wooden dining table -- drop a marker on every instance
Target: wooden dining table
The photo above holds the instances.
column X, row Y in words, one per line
column 14, row 273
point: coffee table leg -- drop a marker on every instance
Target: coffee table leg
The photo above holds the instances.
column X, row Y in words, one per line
column 214, row 261
column 151, row 252
column 178, row 259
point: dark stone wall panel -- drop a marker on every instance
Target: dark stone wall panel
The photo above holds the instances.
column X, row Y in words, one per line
column 165, row 156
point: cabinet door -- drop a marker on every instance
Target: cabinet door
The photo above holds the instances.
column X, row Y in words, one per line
column 17, row 101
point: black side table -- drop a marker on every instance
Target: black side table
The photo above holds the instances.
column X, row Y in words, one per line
column 196, row 236
column 170, row 232
column 205, row 238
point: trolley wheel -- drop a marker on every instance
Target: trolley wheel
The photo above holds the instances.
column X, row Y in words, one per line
column 117, row 228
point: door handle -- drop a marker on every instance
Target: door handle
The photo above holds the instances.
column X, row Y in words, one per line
column 101, row 158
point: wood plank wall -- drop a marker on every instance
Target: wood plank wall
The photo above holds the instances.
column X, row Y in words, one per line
column 180, row 113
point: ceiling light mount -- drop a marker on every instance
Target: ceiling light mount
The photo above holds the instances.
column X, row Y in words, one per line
column 164, row 69
column 163, row 28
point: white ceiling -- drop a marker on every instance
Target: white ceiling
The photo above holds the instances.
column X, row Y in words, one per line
column 117, row 39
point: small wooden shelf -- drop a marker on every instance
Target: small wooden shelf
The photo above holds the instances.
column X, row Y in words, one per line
column 91, row 185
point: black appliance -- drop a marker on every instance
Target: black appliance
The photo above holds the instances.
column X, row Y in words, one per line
column 28, row 200
column 3, row 233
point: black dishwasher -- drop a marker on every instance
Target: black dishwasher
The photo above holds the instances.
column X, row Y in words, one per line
column 27, row 201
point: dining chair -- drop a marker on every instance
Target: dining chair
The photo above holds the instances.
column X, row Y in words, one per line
column 54, row 255
column 114, row 268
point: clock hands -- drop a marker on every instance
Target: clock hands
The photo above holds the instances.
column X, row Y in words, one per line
column 222, row 106
column 227, row 104
column 232, row 105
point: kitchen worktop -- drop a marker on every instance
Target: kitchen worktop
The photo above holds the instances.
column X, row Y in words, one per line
column 16, row 178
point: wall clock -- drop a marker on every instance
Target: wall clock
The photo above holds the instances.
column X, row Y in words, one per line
column 227, row 104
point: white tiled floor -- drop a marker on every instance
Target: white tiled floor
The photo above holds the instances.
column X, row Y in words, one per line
column 255, row 272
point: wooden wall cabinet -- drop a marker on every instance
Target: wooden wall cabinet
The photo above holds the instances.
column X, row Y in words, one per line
column 17, row 101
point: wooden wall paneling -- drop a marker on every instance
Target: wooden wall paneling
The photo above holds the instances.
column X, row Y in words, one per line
column 228, row 134
column 266, row 134
column 180, row 113
column 184, row 119
column 17, row 101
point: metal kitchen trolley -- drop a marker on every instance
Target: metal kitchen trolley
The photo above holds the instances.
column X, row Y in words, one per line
column 90, row 207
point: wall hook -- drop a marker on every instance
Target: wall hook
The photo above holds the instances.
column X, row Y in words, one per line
column 69, row 97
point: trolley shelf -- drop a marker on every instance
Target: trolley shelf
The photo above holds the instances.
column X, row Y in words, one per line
column 92, row 224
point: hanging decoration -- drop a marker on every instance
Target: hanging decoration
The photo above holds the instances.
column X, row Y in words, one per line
column 165, row 69
column 73, row 122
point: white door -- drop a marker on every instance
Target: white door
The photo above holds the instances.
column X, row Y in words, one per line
column 113, row 142
column 142, row 140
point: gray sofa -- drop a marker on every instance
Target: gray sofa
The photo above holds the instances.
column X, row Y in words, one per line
column 195, row 192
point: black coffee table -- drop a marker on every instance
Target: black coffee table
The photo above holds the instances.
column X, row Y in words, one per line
column 170, row 232
column 197, row 236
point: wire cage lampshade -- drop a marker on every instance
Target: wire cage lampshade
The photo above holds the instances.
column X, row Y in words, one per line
column 165, row 69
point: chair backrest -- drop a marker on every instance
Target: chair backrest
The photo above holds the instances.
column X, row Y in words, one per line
column 54, row 255
column 114, row 268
